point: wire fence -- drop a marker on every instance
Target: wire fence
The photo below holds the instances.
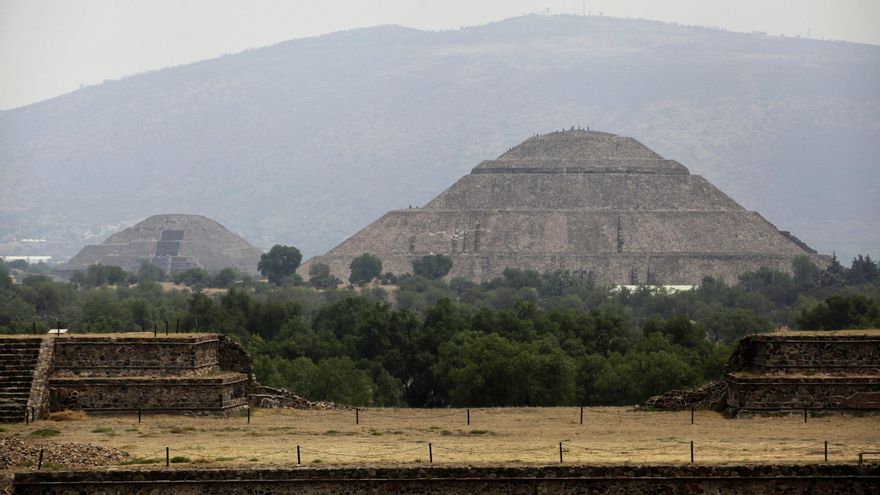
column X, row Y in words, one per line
column 562, row 452
column 448, row 449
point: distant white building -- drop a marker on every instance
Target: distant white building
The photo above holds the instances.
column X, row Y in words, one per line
column 28, row 259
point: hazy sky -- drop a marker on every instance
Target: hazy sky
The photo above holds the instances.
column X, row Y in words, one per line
column 50, row 47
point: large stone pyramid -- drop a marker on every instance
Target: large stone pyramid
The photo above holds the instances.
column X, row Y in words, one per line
column 599, row 205
column 174, row 243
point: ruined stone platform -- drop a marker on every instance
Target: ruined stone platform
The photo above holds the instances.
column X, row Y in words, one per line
column 105, row 373
column 817, row 370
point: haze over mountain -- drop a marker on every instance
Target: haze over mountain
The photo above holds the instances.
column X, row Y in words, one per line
column 307, row 141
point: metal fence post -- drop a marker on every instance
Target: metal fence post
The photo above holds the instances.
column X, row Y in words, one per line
column 692, row 451
column 40, row 462
column 469, row 417
column 582, row 414
column 167, row 457
column 560, row 452
column 298, row 459
column 430, row 453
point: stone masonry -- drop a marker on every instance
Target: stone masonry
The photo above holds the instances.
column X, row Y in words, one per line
column 601, row 206
column 823, row 370
column 199, row 373
column 690, row 479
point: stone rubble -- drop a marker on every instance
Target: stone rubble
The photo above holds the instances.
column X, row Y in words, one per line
column 268, row 398
column 15, row 452
column 712, row 395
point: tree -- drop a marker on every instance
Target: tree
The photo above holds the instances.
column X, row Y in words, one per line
column 432, row 266
column 225, row 278
column 840, row 312
column 150, row 273
column 279, row 262
column 365, row 268
column 194, row 277
column 805, row 272
column 863, row 270
column 320, row 277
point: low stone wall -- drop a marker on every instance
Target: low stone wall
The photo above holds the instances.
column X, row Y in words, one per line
column 853, row 354
column 619, row 480
column 232, row 357
column 109, row 356
column 150, row 394
column 39, row 398
column 776, row 392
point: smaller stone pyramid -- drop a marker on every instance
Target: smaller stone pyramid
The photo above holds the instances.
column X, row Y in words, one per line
column 174, row 243
column 602, row 206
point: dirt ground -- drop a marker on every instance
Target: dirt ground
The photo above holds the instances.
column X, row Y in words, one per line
column 495, row 436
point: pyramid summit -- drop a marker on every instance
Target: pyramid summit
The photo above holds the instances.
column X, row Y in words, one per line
column 578, row 151
column 173, row 242
column 599, row 205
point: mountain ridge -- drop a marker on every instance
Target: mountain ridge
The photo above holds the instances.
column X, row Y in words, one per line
column 306, row 141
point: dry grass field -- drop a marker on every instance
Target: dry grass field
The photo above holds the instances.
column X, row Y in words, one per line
column 495, row 436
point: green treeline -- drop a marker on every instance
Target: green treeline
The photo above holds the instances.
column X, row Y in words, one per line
column 522, row 339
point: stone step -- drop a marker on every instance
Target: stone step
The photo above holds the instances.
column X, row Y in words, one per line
column 14, row 394
column 15, row 387
column 16, row 377
column 17, row 364
column 19, row 345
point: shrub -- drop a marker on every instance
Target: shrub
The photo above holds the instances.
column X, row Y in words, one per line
column 45, row 432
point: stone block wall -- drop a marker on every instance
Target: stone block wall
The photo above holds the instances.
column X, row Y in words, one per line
column 830, row 479
column 154, row 394
column 816, row 370
column 817, row 353
column 114, row 356
column 772, row 393
column 232, row 357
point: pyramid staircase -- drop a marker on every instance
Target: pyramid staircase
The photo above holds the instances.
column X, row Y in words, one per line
column 18, row 360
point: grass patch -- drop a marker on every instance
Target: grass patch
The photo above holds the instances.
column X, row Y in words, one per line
column 446, row 433
column 180, row 459
column 331, row 432
column 224, row 459
column 45, row 432
column 67, row 415
column 52, row 465
column 481, row 432
column 103, row 429
column 178, row 429
column 2, row 430
column 317, row 461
